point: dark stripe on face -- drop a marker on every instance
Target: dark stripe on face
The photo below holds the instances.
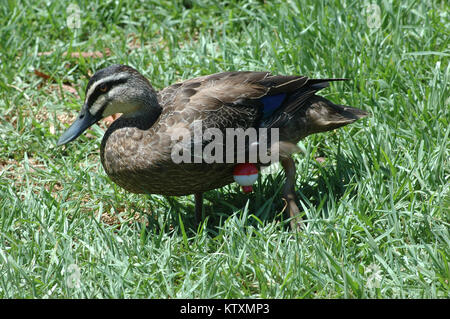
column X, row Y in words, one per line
column 97, row 92
column 104, row 73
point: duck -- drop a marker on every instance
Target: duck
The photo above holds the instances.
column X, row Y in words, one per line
column 137, row 149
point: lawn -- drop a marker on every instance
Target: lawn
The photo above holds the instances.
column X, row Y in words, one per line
column 375, row 194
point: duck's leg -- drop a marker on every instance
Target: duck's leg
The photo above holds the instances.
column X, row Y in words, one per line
column 199, row 207
column 289, row 192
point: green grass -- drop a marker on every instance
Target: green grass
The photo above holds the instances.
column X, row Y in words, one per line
column 377, row 208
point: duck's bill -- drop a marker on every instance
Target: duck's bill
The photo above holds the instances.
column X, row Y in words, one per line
column 82, row 123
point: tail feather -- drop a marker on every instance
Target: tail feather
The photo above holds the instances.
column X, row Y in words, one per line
column 323, row 115
column 300, row 91
column 300, row 100
column 349, row 112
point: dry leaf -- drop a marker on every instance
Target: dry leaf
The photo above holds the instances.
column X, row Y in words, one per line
column 70, row 89
column 135, row 43
column 66, row 86
column 320, row 159
column 42, row 74
column 45, row 53
column 76, row 55
column 95, row 54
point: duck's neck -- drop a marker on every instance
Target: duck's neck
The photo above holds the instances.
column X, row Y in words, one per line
column 148, row 112
column 145, row 116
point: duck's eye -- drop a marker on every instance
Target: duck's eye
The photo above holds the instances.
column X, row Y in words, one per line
column 103, row 88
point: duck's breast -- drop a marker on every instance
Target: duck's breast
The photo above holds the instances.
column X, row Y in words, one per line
column 140, row 161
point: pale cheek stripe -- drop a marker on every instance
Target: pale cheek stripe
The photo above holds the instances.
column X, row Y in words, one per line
column 98, row 105
column 111, row 108
column 101, row 100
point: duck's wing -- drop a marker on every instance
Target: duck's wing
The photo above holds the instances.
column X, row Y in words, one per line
column 238, row 99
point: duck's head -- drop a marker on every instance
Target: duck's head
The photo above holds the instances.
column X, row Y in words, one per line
column 115, row 89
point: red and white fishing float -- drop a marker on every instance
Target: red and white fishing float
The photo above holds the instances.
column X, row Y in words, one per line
column 245, row 174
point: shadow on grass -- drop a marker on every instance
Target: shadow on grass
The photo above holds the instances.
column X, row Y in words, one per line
column 330, row 181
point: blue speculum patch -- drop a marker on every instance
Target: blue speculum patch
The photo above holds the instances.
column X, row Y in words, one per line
column 272, row 103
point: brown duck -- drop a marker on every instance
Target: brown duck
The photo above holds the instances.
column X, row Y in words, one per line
column 137, row 149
